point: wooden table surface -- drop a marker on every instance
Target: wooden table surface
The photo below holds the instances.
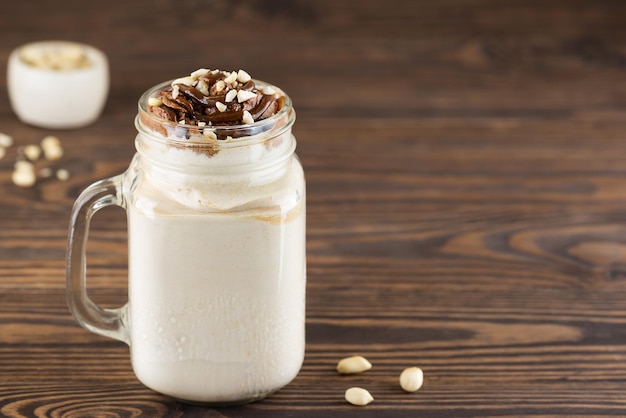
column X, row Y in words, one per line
column 466, row 174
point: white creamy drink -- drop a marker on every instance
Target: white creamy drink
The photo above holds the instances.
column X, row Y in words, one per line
column 221, row 305
column 217, row 268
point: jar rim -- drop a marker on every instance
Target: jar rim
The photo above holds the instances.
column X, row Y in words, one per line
column 188, row 135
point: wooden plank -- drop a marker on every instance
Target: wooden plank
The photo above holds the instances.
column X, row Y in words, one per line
column 465, row 191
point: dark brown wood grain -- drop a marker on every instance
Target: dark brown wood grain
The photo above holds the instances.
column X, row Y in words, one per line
column 466, row 181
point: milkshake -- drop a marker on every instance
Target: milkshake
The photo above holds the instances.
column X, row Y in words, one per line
column 218, row 301
column 216, row 216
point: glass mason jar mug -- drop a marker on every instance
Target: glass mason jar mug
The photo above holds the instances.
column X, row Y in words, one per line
column 217, row 269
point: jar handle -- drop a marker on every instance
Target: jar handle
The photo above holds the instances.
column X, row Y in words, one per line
column 103, row 321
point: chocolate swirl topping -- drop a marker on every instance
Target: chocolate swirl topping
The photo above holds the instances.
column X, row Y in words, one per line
column 215, row 98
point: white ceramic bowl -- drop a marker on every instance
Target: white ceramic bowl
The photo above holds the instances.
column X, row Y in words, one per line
column 58, row 98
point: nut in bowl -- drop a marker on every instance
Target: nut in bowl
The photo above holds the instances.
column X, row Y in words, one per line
column 57, row 84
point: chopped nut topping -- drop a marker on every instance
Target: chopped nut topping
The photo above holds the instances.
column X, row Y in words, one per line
column 231, row 78
column 209, row 134
column 243, row 77
column 267, row 90
column 230, row 96
column 187, row 81
column 203, row 87
column 207, row 98
column 199, row 73
column 220, row 106
column 247, row 117
column 243, row 95
column 154, row 101
column 220, row 86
